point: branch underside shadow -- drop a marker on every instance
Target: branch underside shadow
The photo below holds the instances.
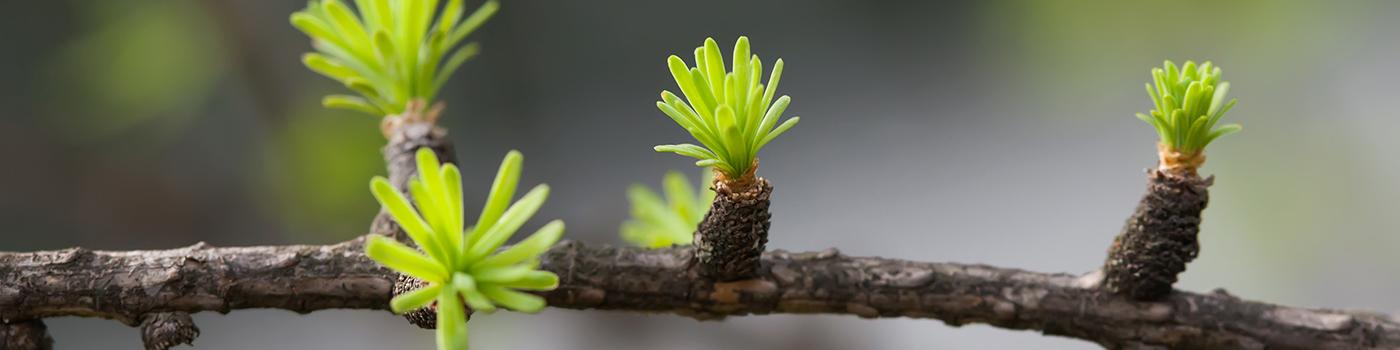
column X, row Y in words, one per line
column 124, row 286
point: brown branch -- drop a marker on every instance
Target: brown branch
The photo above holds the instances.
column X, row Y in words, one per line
column 127, row 285
column 158, row 289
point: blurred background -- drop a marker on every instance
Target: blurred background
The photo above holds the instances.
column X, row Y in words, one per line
column 977, row 132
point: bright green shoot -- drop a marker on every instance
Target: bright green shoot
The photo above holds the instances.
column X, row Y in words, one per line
column 730, row 112
column 391, row 52
column 464, row 268
column 658, row 223
column 1189, row 102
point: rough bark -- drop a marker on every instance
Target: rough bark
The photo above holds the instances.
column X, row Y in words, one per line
column 400, row 157
column 24, row 335
column 126, row 285
column 1160, row 238
column 165, row 330
column 733, row 234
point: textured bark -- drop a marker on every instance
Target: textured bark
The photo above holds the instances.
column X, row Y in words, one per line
column 400, row 156
column 1160, row 238
column 25, row 335
column 165, row 330
column 733, row 234
column 126, row 285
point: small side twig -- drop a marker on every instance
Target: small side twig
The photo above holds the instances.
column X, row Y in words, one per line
column 164, row 330
column 25, row 335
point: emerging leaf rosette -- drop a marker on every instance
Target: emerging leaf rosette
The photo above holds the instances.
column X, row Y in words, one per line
column 1162, row 235
column 465, row 268
column 730, row 111
column 733, row 114
column 1188, row 103
column 392, row 53
column 658, row 222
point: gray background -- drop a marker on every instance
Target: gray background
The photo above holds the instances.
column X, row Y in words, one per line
column 978, row 132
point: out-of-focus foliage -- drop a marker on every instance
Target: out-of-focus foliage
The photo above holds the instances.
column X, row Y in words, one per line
column 1044, row 44
column 730, row 112
column 658, row 222
column 465, row 265
column 313, row 168
column 389, row 51
column 139, row 64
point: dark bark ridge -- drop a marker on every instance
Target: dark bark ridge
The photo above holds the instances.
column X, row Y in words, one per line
column 734, row 232
column 1160, row 238
column 126, row 285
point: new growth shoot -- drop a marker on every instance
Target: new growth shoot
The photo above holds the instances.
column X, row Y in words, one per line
column 729, row 111
column 1188, row 103
column 464, row 267
column 658, row 222
column 392, row 52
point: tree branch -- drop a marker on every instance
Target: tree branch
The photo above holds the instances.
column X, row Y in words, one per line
column 156, row 289
column 125, row 286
